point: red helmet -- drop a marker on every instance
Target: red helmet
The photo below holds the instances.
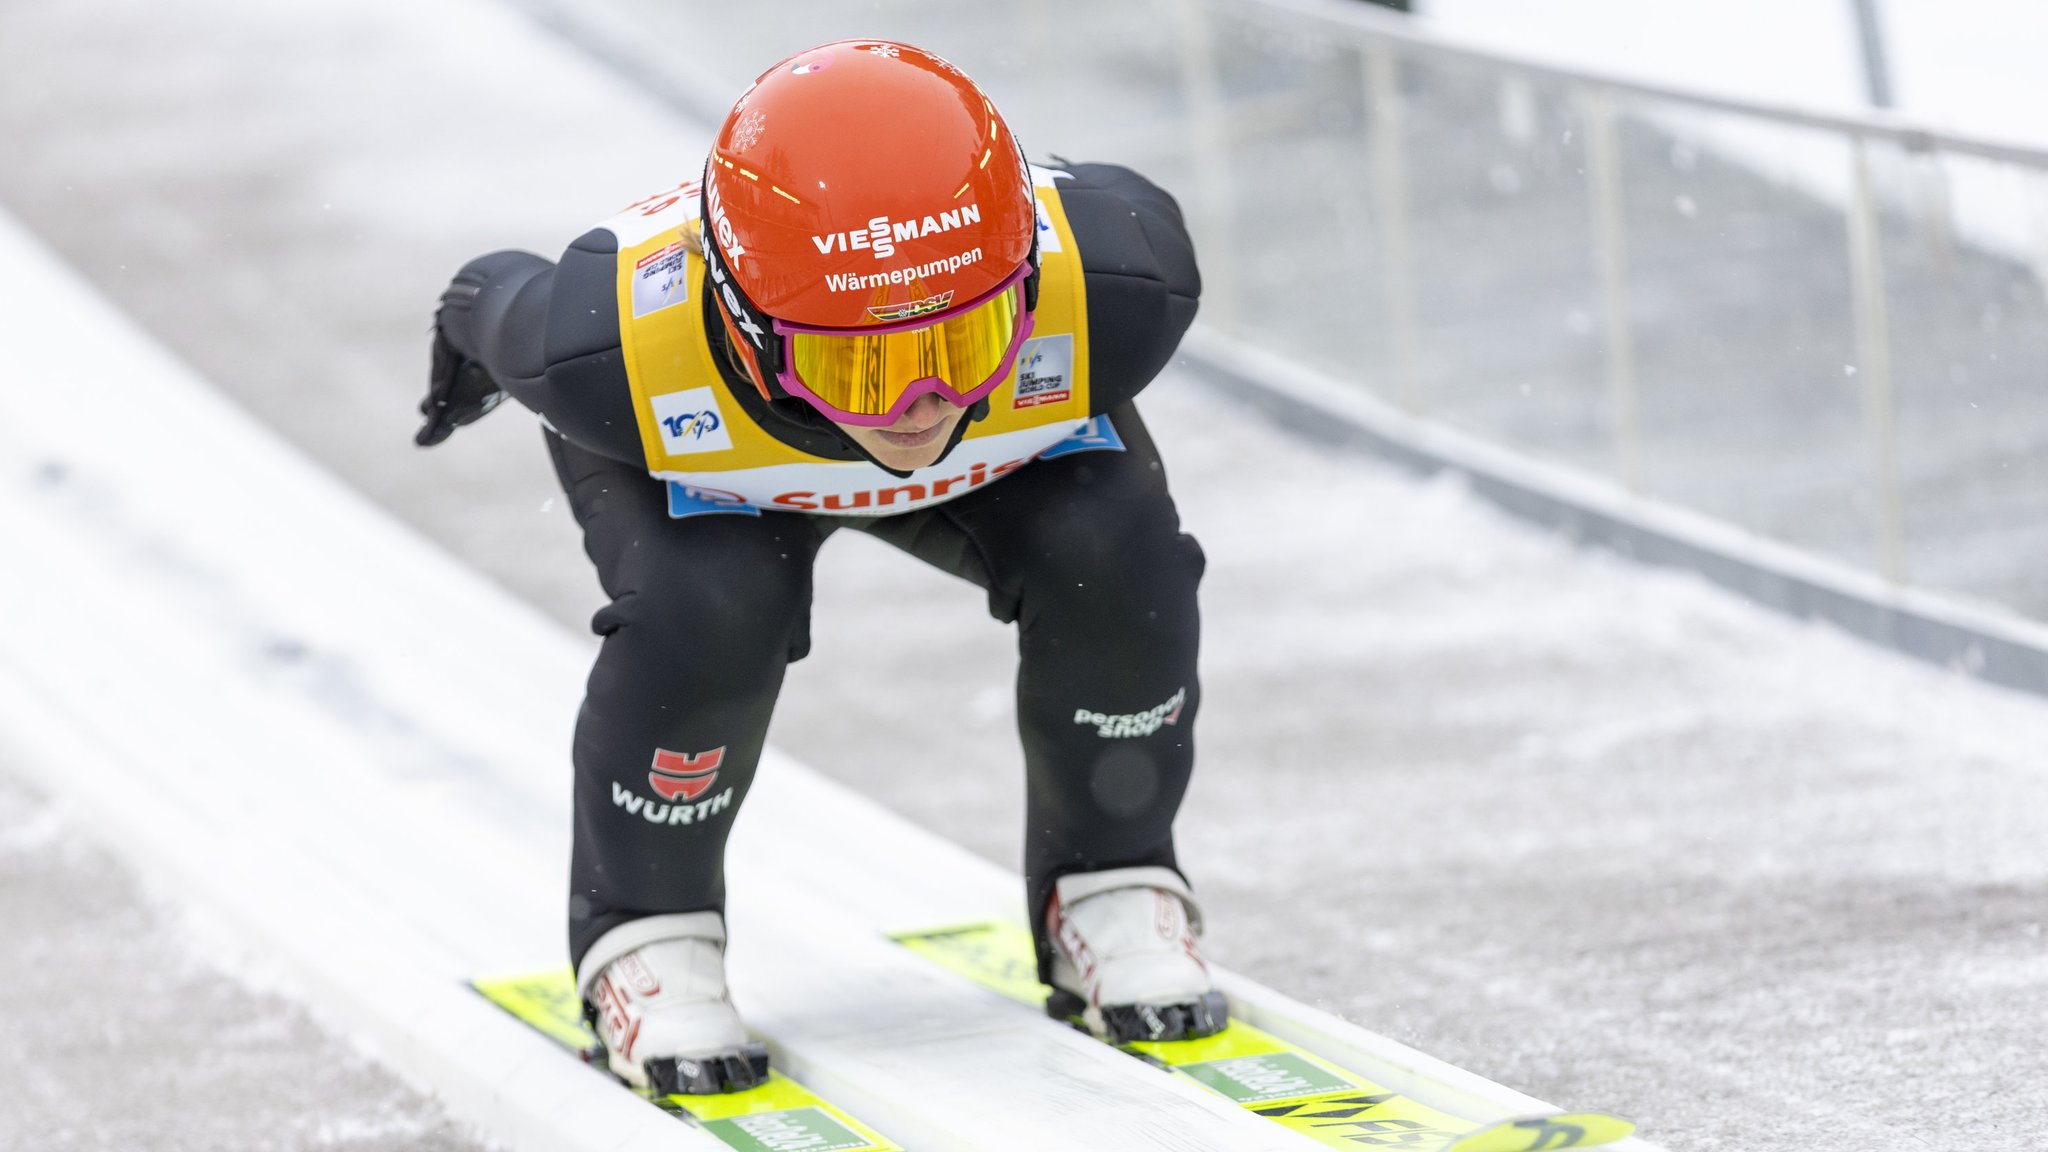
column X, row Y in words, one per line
column 862, row 197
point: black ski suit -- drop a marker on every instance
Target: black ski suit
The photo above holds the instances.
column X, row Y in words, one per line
column 1083, row 552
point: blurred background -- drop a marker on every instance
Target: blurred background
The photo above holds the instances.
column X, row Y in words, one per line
column 1603, row 833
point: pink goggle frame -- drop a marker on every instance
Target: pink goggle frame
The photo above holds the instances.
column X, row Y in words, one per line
column 795, row 386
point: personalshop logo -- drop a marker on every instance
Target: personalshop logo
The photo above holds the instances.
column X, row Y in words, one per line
column 882, row 234
column 1125, row 726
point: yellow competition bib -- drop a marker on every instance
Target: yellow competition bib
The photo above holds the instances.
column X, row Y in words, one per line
column 715, row 459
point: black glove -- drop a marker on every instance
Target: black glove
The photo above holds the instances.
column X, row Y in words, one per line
column 459, row 391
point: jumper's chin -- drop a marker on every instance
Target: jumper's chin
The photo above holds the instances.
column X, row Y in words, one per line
column 916, row 440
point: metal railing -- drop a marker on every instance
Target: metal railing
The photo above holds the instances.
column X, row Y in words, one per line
column 1955, row 506
column 1345, row 18
column 1824, row 328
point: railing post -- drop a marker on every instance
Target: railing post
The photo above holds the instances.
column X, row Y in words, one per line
column 1874, row 362
column 1936, row 210
column 1209, row 124
column 1603, row 180
column 1389, row 118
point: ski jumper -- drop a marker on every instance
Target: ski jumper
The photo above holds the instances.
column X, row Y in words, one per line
column 703, row 505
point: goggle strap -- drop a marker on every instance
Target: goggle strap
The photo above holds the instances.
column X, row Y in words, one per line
column 1031, row 281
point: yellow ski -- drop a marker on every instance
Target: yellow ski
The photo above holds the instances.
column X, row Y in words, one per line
column 778, row 1114
column 1271, row 1077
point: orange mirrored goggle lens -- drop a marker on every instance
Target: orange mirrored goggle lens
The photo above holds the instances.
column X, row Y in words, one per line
column 867, row 374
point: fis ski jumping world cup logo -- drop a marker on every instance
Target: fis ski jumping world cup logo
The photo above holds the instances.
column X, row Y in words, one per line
column 661, row 280
column 1043, row 369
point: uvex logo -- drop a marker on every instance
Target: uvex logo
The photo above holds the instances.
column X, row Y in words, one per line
column 721, row 224
column 716, row 256
column 684, row 774
column 882, row 233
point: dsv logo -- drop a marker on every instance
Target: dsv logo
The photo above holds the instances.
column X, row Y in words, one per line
column 691, row 424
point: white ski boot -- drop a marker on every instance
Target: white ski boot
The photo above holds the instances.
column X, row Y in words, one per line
column 654, row 990
column 1125, row 963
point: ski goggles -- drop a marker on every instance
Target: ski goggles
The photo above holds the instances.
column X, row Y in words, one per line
column 872, row 376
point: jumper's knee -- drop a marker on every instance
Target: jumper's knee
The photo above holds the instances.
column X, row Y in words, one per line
column 1114, row 564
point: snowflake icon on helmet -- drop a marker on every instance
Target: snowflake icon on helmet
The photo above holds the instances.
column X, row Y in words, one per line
column 747, row 132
